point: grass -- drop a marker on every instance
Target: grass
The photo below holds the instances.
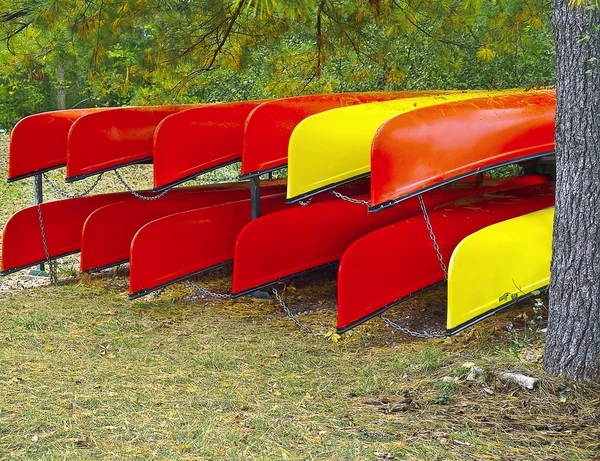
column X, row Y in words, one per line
column 87, row 375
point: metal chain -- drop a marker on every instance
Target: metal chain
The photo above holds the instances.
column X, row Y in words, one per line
column 133, row 192
column 436, row 247
column 206, row 292
column 408, row 331
column 65, row 194
column 291, row 315
column 51, row 264
column 350, row 199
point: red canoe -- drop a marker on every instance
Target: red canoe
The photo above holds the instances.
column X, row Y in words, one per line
column 22, row 244
column 397, row 262
column 199, row 140
column 38, row 143
column 306, row 238
column 191, row 242
column 107, row 140
column 108, row 231
column 270, row 125
column 429, row 147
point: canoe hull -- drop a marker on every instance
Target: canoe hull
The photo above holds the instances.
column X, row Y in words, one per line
column 199, row 140
column 22, row 244
column 38, row 143
column 476, row 289
column 107, row 140
column 204, row 239
column 306, row 238
column 334, row 147
column 458, row 139
column 275, row 121
column 108, row 231
column 398, row 261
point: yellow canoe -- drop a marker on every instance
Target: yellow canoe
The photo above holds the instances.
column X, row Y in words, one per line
column 334, row 147
column 494, row 267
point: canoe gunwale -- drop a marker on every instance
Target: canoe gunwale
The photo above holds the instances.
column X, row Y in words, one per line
column 192, row 176
column 381, row 310
column 282, row 279
column 41, row 261
column 329, row 187
column 34, row 173
column 79, row 177
column 389, row 203
column 147, row 291
column 485, row 315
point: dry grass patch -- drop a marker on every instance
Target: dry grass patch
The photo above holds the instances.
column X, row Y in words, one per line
column 86, row 374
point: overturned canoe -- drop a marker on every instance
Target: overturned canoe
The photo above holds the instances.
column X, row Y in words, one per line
column 334, row 147
column 270, row 125
column 429, row 147
column 106, row 140
column 398, row 262
column 479, row 287
column 22, row 239
column 38, row 143
column 195, row 141
column 322, row 232
column 108, row 231
column 205, row 239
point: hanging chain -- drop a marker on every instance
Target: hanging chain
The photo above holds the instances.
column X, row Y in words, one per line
column 408, row 331
column 290, row 314
column 350, row 199
column 436, row 247
column 65, row 194
column 133, row 192
column 51, row 264
column 206, row 292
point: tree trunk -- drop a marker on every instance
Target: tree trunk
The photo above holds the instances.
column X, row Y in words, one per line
column 61, row 88
column 573, row 343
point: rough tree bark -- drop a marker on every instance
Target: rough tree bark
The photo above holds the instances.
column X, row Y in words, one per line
column 573, row 343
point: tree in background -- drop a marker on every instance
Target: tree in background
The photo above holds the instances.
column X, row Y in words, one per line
column 162, row 51
column 573, row 344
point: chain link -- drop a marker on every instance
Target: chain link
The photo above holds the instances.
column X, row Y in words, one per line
column 133, row 192
column 436, row 247
column 290, row 314
column 408, row 331
column 206, row 292
column 350, row 199
column 65, row 194
column 51, row 264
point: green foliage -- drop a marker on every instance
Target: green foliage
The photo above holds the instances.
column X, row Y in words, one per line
column 162, row 51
